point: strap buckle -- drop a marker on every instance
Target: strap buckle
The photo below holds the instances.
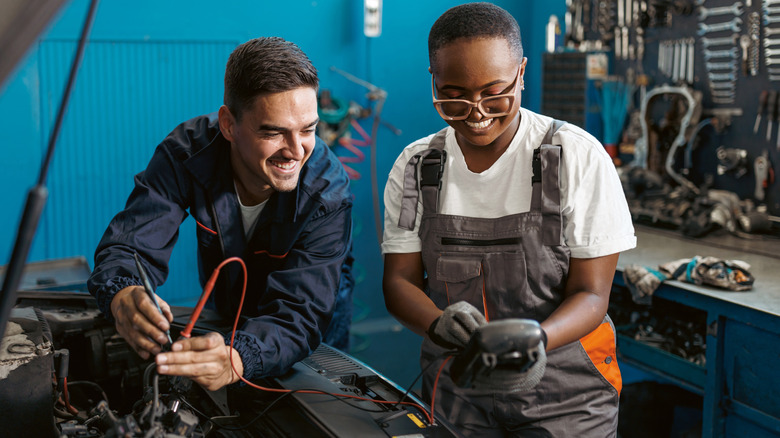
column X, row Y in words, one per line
column 536, row 166
column 432, row 169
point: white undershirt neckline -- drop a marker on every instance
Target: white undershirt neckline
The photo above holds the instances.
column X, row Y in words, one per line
column 249, row 213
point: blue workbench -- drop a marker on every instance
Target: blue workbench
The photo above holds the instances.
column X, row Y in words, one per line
column 740, row 382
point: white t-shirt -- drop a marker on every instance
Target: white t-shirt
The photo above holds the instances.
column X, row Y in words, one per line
column 249, row 214
column 596, row 219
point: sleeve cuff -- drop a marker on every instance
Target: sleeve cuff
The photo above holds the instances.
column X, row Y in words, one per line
column 604, row 248
column 249, row 348
column 107, row 292
column 400, row 247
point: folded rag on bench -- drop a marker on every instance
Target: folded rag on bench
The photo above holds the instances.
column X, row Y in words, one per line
column 733, row 275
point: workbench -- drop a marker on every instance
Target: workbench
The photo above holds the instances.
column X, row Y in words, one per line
column 739, row 381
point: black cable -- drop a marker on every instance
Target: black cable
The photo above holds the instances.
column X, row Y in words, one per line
column 148, row 373
column 257, row 417
column 443, row 355
column 65, row 415
column 196, row 410
column 155, row 397
column 151, row 378
column 91, row 384
column 338, row 397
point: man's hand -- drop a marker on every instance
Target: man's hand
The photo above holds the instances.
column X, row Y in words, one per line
column 204, row 359
column 139, row 322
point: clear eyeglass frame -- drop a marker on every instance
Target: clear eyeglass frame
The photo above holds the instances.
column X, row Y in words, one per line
column 470, row 105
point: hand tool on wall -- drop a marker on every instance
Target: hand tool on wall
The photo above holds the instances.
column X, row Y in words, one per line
column 676, row 61
column 776, row 115
column 735, row 9
column 689, row 72
column 567, row 17
column 575, row 19
column 760, row 110
column 771, row 107
column 754, row 31
column 761, row 170
column 733, row 25
column 744, row 43
column 619, row 54
column 628, row 49
column 577, row 16
column 719, row 41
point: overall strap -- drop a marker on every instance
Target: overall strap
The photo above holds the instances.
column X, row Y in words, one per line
column 423, row 174
column 546, row 194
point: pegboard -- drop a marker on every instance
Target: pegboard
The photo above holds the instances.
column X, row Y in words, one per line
column 651, row 44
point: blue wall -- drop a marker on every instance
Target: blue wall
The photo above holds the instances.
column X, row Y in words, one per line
column 151, row 65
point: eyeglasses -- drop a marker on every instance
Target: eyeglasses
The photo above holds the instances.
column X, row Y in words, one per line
column 490, row 106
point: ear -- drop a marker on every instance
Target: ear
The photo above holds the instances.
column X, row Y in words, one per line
column 429, row 70
column 522, row 66
column 227, row 123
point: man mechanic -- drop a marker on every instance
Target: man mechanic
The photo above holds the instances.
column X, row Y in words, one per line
column 261, row 186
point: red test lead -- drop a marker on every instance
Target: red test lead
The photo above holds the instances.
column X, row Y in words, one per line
column 207, row 292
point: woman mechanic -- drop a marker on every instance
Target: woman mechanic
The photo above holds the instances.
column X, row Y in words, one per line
column 492, row 242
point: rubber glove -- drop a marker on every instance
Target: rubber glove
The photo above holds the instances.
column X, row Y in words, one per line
column 453, row 329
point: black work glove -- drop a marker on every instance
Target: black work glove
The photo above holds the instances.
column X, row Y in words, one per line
column 453, row 329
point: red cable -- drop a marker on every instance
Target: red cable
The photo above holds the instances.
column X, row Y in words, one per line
column 70, row 408
column 65, row 393
column 351, row 145
column 436, row 383
column 196, row 313
column 358, row 158
column 207, row 292
column 366, row 138
column 351, row 173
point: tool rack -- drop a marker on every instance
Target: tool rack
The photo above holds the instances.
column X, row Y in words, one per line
column 727, row 50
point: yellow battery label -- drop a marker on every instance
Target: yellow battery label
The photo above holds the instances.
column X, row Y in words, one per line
column 416, row 420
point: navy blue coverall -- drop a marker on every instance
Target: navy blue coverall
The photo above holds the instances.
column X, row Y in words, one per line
column 298, row 259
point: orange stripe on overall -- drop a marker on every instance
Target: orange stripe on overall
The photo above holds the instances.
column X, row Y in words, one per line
column 600, row 346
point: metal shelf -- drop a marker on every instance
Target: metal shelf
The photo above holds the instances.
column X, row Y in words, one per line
column 662, row 363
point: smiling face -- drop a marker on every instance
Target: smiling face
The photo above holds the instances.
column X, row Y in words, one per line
column 271, row 142
column 473, row 69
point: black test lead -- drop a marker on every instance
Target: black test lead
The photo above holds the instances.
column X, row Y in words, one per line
column 150, row 291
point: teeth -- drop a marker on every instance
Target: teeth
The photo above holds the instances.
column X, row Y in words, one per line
column 479, row 125
column 285, row 166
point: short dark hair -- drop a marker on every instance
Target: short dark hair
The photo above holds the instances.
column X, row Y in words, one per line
column 265, row 65
column 474, row 20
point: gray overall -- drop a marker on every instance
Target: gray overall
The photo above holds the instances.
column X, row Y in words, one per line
column 511, row 267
